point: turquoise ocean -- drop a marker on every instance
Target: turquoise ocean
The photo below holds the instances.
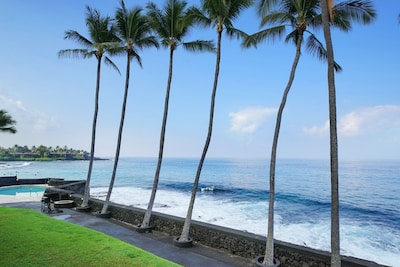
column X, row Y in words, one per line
column 234, row 193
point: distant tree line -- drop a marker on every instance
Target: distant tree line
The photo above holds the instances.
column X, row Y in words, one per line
column 42, row 153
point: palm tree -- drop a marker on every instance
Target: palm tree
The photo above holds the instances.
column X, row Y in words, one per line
column 327, row 15
column 7, row 124
column 299, row 15
column 219, row 14
column 327, row 18
column 102, row 36
column 135, row 34
column 171, row 25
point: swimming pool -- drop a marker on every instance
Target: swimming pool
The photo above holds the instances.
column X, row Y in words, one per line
column 22, row 189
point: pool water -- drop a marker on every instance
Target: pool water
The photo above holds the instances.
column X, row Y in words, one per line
column 15, row 190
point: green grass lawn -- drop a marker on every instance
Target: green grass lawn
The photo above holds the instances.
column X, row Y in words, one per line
column 29, row 238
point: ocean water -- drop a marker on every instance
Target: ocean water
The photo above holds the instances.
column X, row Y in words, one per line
column 234, row 193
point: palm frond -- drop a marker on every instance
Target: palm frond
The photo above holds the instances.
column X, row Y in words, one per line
column 292, row 37
column 110, row 63
column 173, row 23
column 304, row 14
column 175, row 18
column 316, row 22
column 157, row 20
column 121, row 17
column 236, row 33
column 270, row 34
column 221, row 13
column 103, row 37
column 134, row 27
column 116, row 50
column 316, row 48
column 341, row 21
column 12, row 129
column 101, row 28
column 147, row 42
column 198, row 17
column 199, row 46
column 170, row 24
column 76, row 36
column 265, row 6
column 7, row 123
column 278, row 18
column 236, row 7
column 136, row 56
column 76, row 53
column 361, row 11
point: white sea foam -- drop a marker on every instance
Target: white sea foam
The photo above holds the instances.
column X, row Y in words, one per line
column 370, row 242
column 13, row 165
column 252, row 217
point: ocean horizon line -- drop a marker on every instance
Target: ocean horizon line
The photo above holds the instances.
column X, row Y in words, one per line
column 256, row 158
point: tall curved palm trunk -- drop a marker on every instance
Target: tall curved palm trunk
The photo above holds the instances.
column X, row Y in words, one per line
column 121, row 127
column 147, row 215
column 171, row 24
column 184, row 237
column 134, row 34
column 335, row 233
column 86, row 194
column 102, row 38
column 269, row 250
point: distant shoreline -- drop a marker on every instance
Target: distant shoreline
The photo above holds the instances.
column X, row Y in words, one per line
column 49, row 159
column 43, row 153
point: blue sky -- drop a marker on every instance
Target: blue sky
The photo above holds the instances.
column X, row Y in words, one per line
column 52, row 99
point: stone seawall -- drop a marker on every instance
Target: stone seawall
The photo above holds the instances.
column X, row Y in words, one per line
column 13, row 180
column 235, row 242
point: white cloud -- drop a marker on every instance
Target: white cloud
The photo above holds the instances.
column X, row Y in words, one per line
column 32, row 120
column 362, row 121
column 43, row 123
column 317, row 130
column 11, row 104
column 369, row 119
column 250, row 119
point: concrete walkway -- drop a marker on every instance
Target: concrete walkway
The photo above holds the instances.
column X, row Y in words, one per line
column 155, row 242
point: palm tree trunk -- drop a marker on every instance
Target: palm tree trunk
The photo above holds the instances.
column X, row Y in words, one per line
column 121, row 126
column 86, row 194
column 184, row 237
column 147, row 215
column 335, row 224
column 269, row 249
